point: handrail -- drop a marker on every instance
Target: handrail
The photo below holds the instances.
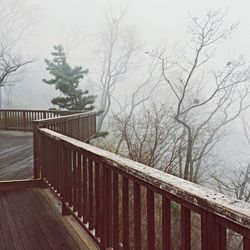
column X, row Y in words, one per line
column 94, row 186
column 44, row 110
column 21, row 119
column 63, row 118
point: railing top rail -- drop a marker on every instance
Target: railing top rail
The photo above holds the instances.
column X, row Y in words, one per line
column 63, row 118
column 43, row 110
column 232, row 209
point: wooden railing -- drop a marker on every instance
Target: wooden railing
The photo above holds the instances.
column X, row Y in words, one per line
column 19, row 119
column 81, row 126
column 118, row 201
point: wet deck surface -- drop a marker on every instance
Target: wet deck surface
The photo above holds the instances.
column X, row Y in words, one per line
column 29, row 220
column 16, row 155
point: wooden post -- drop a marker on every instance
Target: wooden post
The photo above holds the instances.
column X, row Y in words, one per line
column 88, row 128
column 65, row 186
column 24, row 121
column 37, row 173
column 80, row 128
column 213, row 235
column 5, row 119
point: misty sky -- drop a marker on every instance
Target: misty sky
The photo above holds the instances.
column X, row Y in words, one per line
column 155, row 21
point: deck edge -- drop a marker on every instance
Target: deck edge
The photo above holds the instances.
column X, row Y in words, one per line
column 19, row 184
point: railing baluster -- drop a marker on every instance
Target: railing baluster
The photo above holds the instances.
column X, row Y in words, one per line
column 24, row 121
column 137, row 216
column 85, row 191
column 97, row 200
column 150, row 219
column 56, row 172
column 74, row 183
column 60, row 159
column 66, row 170
column 246, row 243
column 55, row 164
column 204, row 232
column 48, row 161
column 125, row 213
column 90, row 194
column 79, row 184
column 70, row 179
column 166, row 223
column 115, row 212
column 185, row 228
column 223, row 237
column 110, row 208
column 104, row 208
column 64, row 180
column 213, row 234
column 52, row 160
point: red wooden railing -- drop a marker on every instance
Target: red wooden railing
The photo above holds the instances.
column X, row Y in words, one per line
column 19, row 119
column 117, row 201
column 81, row 126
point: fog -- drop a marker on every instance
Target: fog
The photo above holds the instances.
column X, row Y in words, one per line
column 155, row 22
column 79, row 27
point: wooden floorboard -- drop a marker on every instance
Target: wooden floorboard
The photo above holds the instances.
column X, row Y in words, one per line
column 16, row 155
column 29, row 220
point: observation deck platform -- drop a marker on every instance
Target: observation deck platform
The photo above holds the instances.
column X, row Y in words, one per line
column 30, row 215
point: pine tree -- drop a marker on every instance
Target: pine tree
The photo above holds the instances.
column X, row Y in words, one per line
column 66, row 80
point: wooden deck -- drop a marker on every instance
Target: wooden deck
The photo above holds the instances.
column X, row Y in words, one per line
column 16, row 155
column 31, row 219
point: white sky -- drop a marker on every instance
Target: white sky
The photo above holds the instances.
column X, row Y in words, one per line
column 155, row 21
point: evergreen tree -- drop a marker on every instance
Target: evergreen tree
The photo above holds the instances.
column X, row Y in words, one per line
column 66, row 80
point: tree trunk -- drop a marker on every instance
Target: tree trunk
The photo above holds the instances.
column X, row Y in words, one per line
column 188, row 156
column 1, row 100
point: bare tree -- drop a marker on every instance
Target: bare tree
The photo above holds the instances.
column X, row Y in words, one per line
column 206, row 99
column 139, row 97
column 119, row 46
column 71, row 38
column 16, row 18
column 10, row 64
column 237, row 184
column 149, row 137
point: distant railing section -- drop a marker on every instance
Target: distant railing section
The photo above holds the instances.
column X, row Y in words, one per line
column 115, row 199
column 81, row 126
column 19, row 119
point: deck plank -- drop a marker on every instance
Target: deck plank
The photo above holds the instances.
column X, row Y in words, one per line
column 16, row 155
column 48, row 225
column 12, row 226
column 30, row 220
column 70, row 234
column 5, row 229
column 23, row 223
